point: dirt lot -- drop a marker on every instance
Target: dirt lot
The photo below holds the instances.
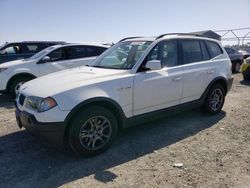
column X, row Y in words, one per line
column 214, row 150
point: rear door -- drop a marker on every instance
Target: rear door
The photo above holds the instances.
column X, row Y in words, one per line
column 197, row 69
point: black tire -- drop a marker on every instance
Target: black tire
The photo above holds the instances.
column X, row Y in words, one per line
column 209, row 104
column 83, row 120
column 14, row 84
column 246, row 77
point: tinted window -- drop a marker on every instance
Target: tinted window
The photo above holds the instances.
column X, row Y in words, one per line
column 56, row 55
column 228, row 50
column 80, row 51
column 88, row 51
column 191, row 51
column 101, row 50
column 205, row 53
column 31, row 48
column 233, row 50
column 166, row 52
column 94, row 51
column 214, row 49
column 91, row 51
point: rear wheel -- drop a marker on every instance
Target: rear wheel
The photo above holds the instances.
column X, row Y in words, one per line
column 215, row 99
column 92, row 131
column 16, row 84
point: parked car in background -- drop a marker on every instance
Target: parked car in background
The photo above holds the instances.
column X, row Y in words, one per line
column 236, row 59
column 52, row 59
column 21, row 50
column 245, row 69
column 136, row 78
column 245, row 52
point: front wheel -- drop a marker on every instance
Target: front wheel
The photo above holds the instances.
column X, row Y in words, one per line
column 16, row 84
column 92, row 131
column 215, row 99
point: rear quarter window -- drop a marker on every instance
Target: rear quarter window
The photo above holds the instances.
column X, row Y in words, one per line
column 214, row 49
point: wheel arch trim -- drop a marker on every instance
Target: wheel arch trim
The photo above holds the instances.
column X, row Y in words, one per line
column 23, row 74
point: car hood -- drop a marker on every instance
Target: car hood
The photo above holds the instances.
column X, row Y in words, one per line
column 63, row 81
column 15, row 63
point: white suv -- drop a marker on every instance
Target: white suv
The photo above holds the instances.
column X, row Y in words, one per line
column 136, row 78
column 52, row 59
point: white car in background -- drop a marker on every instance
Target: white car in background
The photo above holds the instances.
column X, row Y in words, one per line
column 134, row 79
column 52, row 59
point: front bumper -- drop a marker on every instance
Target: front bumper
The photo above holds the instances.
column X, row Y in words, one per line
column 52, row 133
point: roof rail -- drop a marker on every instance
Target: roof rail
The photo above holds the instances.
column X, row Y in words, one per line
column 43, row 41
column 130, row 38
column 190, row 34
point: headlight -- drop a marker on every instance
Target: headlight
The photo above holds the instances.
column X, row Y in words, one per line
column 46, row 104
column 3, row 69
column 33, row 102
column 40, row 104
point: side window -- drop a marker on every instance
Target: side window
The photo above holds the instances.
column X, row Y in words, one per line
column 166, row 52
column 31, row 48
column 56, row 55
column 191, row 51
column 101, row 50
column 228, row 50
column 68, row 53
column 205, row 53
column 80, row 51
column 91, row 51
column 233, row 51
column 214, row 49
column 14, row 49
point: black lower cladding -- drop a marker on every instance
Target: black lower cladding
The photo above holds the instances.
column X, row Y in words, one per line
column 51, row 133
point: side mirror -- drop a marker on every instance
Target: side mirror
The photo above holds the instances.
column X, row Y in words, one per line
column 45, row 59
column 153, row 65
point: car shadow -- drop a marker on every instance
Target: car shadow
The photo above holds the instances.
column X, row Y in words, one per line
column 25, row 162
column 6, row 101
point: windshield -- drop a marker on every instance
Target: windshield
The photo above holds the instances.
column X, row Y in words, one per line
column 42, row 53
column 122, row 56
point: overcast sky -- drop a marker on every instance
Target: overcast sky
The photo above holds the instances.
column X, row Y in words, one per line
column 111, row 20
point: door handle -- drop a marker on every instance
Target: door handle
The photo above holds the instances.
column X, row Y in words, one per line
column 176, row 79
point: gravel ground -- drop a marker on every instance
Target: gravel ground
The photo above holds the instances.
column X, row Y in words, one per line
column 214, row 151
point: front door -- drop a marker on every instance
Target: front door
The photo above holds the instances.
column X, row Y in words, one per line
column 159, row 89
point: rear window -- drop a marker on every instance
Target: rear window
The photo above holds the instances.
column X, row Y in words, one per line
column 214, row 49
